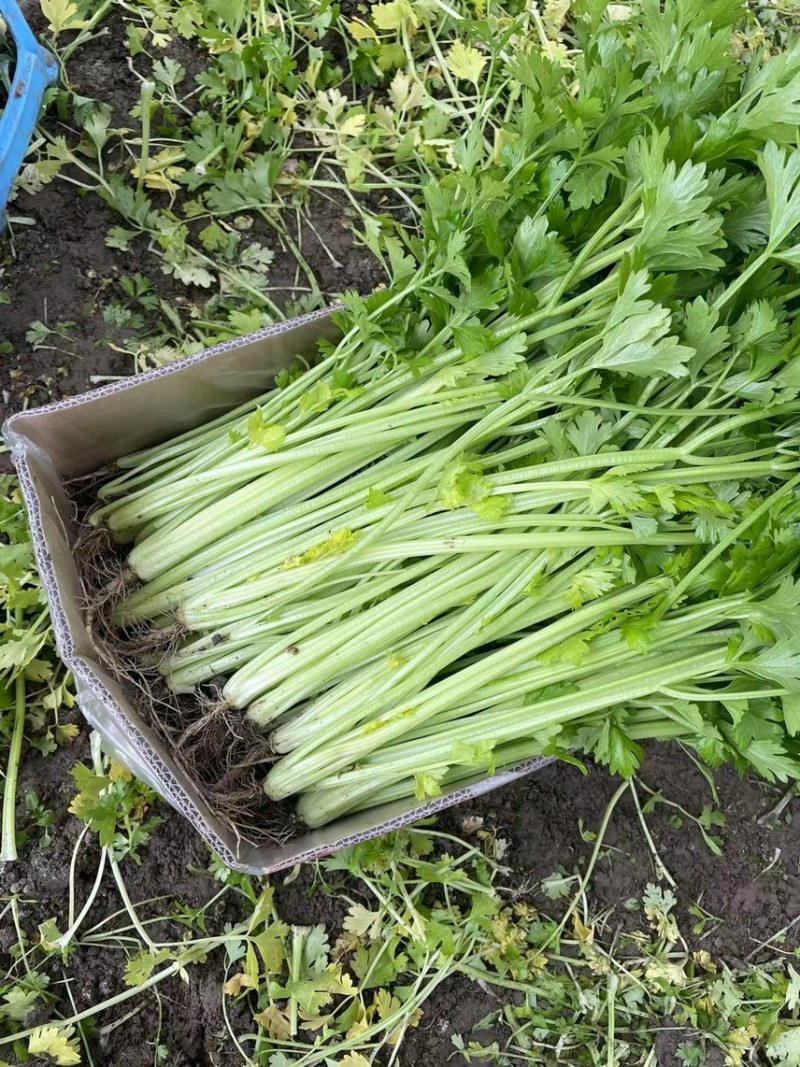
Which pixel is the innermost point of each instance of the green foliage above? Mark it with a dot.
(34, 688)
(115, 807)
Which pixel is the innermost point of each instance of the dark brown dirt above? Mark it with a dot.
(752, 891)
(60, 270)
(56, 267)
(754, 887)
(174, 869)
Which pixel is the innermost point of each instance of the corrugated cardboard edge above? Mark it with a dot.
(167, 370)
(100, 708)
(132, 746)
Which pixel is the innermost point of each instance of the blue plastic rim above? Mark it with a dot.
(35, 70)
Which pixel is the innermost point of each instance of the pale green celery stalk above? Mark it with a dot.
(209, 434)
(492, 426)
(363, 678)
(174, 460)
(319, 438)
(216, 448)
(248, 593)
(339, 699)
(290, 617)
(605, 651)
(529, 446)
(190, 441)
(506, 757)
(283, 594)
(168, 522)
(515, 480)
(331, 795)
(216, 485)
(450, 534)
(128, 488)
(273, 490)
(464, 521)
(683, 425)
(301, 768)
(150, 558)
(498, 614)
(215, 455)
(158, 553)
(412, 402)
(533, 494)
(218, 662)
(512, 720)
(714, 696)
(136, 479)
(228, 588)
(207, 446)
(751, 456)
(565, 400)
(163, 593)
(645, 724)
(720, 471)
(137, 521)
(522, 687)
(8, 831)
(318, 616)
(207, 437)
(288, 585)
(371, 631)
(631, 458)
(208, 661)
(507, 582)
(206, 591)
(520, 542)
(135, 510)
(746, 418)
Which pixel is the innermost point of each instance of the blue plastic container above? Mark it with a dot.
(35, 70)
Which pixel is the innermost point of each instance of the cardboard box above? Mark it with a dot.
(54, 444)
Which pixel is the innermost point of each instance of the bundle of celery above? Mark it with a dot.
(542, 496)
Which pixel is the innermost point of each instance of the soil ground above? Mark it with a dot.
(55, 266)
(753, 889)
(59, 269)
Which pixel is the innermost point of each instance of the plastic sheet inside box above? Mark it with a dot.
(74, 437)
